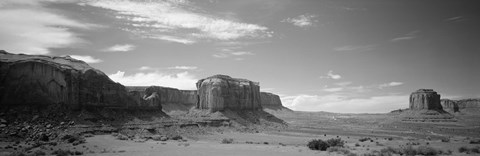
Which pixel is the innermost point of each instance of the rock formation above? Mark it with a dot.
(168, 98)
(425, 107)
(220, 92)
(36, 80)
(460, 105)
(425, 99)
(449, 105)
(270, 100)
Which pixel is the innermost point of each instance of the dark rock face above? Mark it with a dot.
(270, 100)
(36, 80)
(425, 99)
(459, 105)
(157, 96)
(220, 92)
(425, 107)
(449, 105)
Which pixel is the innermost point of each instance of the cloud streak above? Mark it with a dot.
(28, 27)
(302, 21)
(331, 75)
(182, 80)
(86, 58)
(342, 104)
(354, 48)
(120, 48)
(178, 21)
(409, 36)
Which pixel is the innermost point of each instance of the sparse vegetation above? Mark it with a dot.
(339, 150)
(319, 144)
(473, 150)
(410, 151)
(445, 139)
(364, 139)
(227, 140)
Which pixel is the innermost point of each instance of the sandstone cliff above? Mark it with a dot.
(270, 100)
(168, 98)
(425, 99)
(459, 105)
(36, 80)
(220, 92)
(425, 107)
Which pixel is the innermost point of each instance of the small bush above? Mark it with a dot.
(227, 141)
(318, 144)
(475, 141)
(357, 145)
(427, 150)
(61, 152)
(469, 150)
(335, 142)
(445, 139)
(363, 139)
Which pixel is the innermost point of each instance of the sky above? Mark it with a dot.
(346, 56)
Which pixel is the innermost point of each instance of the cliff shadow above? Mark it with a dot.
(253, 117)
(120, 116)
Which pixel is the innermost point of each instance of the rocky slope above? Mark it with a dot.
(220, 92)
(270, 100)
(37, 80)
(168, 98)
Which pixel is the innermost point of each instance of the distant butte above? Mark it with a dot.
(425, 107)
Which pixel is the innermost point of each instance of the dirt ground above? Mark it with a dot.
(267, 137)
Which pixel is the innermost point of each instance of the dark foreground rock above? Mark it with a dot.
(222, 92)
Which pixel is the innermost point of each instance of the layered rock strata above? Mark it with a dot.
(425, 107)
(270, 100)
(460, 105)
(38, 80)
(167, 97)
(220, 92)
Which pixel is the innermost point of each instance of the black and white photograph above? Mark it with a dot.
(240, 77)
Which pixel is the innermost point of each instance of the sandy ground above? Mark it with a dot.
(383, 129)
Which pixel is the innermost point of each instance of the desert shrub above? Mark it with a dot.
(363, 139)
(227, 140)
(357, 144)
(318, 144)
(335, 142)
(427, 150)
(469, 150)
(475, 141)
(39, 153)
(445, 139)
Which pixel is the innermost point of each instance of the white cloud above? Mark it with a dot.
(336, 89)
(146, 68)
(455, 19)
(408, 36)
(184, 67)
(341, 104)
(239, 53)
(331, 75)
(356, 48)
(391, 84)
(178, 21)
(87, 59)
(27, 27)
(173, 39)
(183, 80)
(120, 48)
(303, 21)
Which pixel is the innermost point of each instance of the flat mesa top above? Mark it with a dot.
(63, 61)
(226, 77)
(425, 91)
